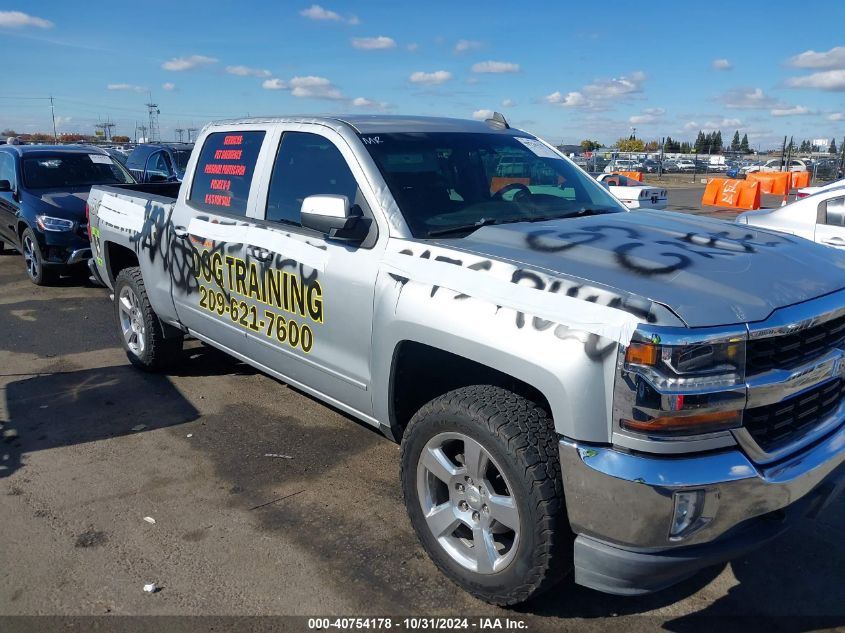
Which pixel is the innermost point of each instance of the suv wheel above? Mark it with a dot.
(482, 485)
(39, 274)
(142, 331)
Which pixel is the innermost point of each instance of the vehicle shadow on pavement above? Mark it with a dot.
(67, 408)
(795, 582)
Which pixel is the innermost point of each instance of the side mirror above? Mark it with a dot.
(333, 216)
(156, 178)
(5, 186)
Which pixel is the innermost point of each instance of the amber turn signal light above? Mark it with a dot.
(641, 354)
(703, 422)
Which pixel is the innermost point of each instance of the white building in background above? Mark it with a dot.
(822, 144)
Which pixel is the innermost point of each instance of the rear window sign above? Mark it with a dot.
(224, 171)
(537, 148)
(100, 159)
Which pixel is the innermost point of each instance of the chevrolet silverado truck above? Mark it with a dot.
(625, 397)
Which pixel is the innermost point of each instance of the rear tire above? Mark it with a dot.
(38, 272)
(142, 332)
(482, 485)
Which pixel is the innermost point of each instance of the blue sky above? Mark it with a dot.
(563, 70)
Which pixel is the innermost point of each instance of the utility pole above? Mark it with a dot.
(143, 129)
(53, 113)
(191, 130)
(179, 131)
(152, 113)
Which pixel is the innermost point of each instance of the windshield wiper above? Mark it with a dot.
(461, 228)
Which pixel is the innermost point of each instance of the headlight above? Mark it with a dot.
(695, 366)
(685, 389)
(48, 223)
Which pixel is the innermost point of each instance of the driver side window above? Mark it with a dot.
(7, 168)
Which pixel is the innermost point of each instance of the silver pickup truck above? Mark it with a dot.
(626, 396)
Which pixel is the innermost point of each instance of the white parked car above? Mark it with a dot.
(820, 218)
(809, 191)
(775, 165)
(621, 164)
(632, 193)
(685, 165)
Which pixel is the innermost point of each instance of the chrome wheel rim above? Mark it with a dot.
(30, 257)
(467, 503)
(131, 320)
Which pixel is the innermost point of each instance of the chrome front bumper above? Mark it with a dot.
(627, 499)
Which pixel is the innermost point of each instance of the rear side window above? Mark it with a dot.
(224, 171)
(835, 212)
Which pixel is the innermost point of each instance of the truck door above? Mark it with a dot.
(8, 204)
(314, 296)
(209, 224)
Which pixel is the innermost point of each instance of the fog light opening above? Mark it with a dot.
(686, 518)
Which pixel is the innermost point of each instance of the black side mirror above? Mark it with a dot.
(5, 186)
(332, 215)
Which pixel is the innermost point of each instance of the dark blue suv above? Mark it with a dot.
(43, 195)
(159, 162)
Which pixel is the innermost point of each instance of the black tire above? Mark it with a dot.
(157, 352)
(519, 437)
(36, 270)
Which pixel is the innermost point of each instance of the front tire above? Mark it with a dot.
(141, 329)
(482, 486)
(38, 272)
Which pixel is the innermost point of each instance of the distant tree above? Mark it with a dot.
(743, 145)
(700, 140)
(8, 132)
(120, 139)
(652, 146)
(630, 145)
(735, 142)
(717, 142)
(685, 148)
(832, 149)
(588, 146)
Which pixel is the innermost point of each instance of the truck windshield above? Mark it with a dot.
(72, 170)
(452, 183)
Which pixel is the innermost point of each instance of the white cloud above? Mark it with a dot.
(508, 103)
(372, 43)
(599, 94)
(274, 84)
(368, 104)
(791, 111)
(747, 99)
(714, 124)
(833, 80)
(495, 67)
(836, 116)
(482, 115)
(413, 47)
(437, 77)
(126, 87)
(311, 87)
(169, 87)
(649, 115)
(834, 58)
(63, 120)
(572, 99)
(316, 12)
(462, 46)
(722, 64)
(178, 64)
(19, 19)
(246, 71)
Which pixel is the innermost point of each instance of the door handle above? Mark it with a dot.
(181, 232)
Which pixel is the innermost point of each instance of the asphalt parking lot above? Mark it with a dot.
(93, 446)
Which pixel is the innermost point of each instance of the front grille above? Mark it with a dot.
(777, 425)
(790, 350)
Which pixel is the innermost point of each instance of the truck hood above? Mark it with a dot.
(708, 272)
